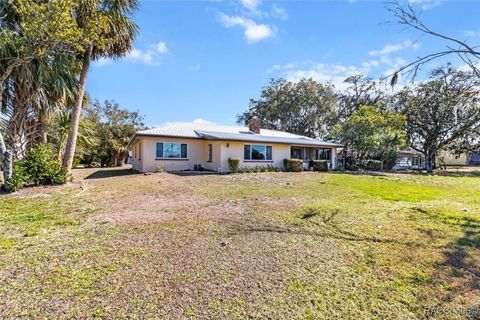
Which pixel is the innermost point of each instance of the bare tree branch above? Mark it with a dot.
(410, 18)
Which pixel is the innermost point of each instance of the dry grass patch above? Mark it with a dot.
(266, 245)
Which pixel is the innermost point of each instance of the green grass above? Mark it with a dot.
(267, 245)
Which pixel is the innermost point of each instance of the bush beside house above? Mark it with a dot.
(319, 165)
(234, 164)
(292, 165)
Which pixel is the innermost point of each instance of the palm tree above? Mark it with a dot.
(115, 39)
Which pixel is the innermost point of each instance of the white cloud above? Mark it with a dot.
(202, 121)
(102, 62)
(162, 47)
(198, 121)
(468, 68)
(253, 32)
(148, 56)
(137, 55)
(250, 4)
(336, 73)
(391, 48)
(472, 34)
(279, 12)
(425, 4)
(321, 72)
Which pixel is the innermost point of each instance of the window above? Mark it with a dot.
(323, 154)
(257, 152)
(296, 153)
(415, 161)
(171, 150)
(209, 153)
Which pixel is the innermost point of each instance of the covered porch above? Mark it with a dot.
(308, 153)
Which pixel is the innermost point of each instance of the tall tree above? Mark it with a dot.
(441, 111)
(30, 33)
(113, 35)
(372, 133)
(114, 126)
(305, 107)
(361, 91)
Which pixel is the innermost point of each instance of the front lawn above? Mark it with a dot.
(259, 245)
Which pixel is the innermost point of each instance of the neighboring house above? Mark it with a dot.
(474, 159)
(447, 158)
(409, 159)
(413, 159)
(181, 147)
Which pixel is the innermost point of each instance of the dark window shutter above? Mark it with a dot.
(184, 151)
(159, 150)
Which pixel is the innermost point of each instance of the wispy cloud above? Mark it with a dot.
(102, 62)
(279, 12)
(425, 4)
(471, 33)
(198, 121)
(148, 56)
(391, 48)
(321, 72)
(251, 4)
(336, 74)
(253, 32)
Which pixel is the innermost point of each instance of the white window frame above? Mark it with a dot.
(163, 150)
(251, 150)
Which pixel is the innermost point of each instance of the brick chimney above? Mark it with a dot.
(254, 125)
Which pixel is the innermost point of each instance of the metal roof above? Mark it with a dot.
(232, 133)
(261, 138)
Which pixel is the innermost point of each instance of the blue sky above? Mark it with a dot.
(206, 59)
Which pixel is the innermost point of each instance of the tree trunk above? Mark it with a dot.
(76, 114)
(429, 162)
(43, 127)
(7, 161)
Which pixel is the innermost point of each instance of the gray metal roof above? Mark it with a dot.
(269, 139)
(231, 133)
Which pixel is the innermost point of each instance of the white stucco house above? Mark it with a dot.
(181, 147)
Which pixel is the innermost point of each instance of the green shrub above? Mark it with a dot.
(198, 167)
(292, 165)
(373, 165)
(43, 167)
(19, 178)
(270, 168)
(319, 165)
(234, 164)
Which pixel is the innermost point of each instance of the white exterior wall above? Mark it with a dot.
(197, 153)
(235, 150)
(137, 161)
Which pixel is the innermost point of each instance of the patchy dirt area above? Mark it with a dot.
(118, 244)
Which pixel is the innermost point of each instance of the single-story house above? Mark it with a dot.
(410, 159)
(448, 158)
(182, 146)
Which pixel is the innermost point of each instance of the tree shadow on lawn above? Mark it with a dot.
(111, 173)
(463, 263)
(326, 229)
